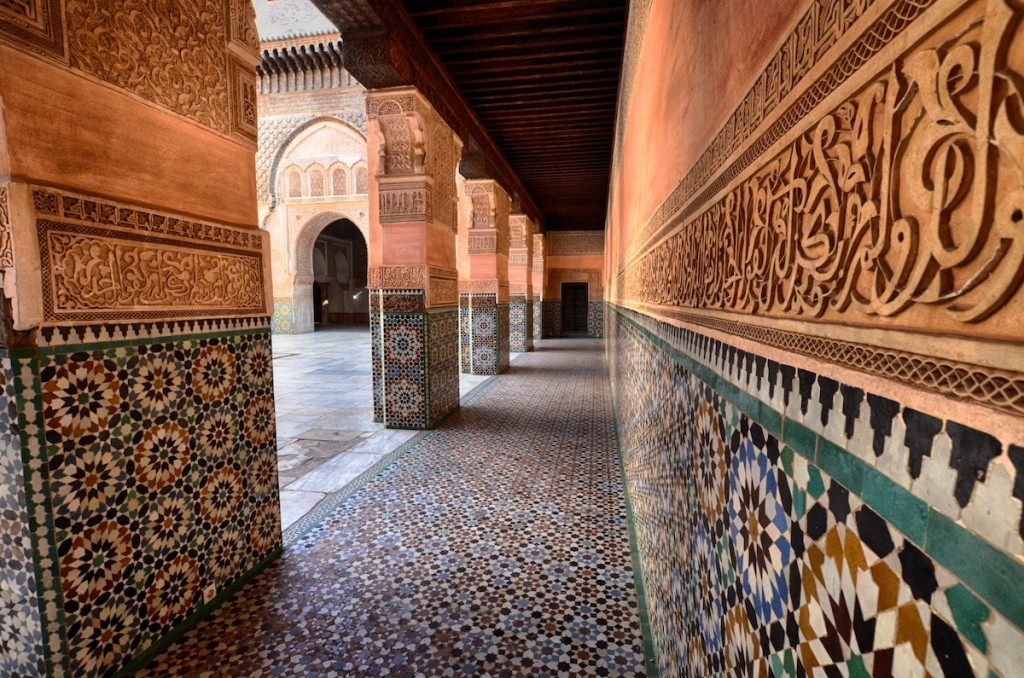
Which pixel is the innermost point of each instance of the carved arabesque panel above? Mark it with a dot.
(107, 262)
(575, 243)
(6, 249)
(904, 201)
(173, 54)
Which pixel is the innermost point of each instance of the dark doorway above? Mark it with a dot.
(340, 265)
(318, 305)
(575, 297)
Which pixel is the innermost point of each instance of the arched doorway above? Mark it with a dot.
(340, 263)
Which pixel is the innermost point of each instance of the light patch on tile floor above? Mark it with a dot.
(326, 435)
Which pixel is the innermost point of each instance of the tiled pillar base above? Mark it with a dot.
(413, 354)
(595, 319)
(552, 317)
(484, 335)
(282, 322)
(520, 325)
(178, 433)
(537, 311)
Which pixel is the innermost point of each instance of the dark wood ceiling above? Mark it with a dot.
(542, 76)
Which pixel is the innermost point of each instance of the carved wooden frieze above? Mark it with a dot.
(34, 24)
(444, 287)
(904, 200)
(106, 262)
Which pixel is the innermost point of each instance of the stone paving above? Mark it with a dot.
(496, 545)
(325, 430)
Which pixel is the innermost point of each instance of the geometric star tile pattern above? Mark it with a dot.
(160, 484)
(494, 545)
(757, 562)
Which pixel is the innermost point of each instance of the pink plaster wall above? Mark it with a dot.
(697, 61)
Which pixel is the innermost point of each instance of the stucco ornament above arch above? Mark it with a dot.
(325, 141)
(302, 250)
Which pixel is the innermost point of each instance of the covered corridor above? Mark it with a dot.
(495, 545)
(796, 225)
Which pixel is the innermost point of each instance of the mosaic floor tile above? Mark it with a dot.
(495, 545)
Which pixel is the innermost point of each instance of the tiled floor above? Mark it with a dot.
(325, 430)
(494, 546)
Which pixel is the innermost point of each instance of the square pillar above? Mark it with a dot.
(412, 278)
(539, 280)
(138, 465)
(520, 275)
(484, 296)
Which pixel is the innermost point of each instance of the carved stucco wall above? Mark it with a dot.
(574, 256)
(156, 55)
(839, 269)
(315, 144)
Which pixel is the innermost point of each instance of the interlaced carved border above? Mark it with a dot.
(998, 389)
(35, 24)
(95, 211)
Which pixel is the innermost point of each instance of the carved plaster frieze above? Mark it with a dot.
(903, 201)
(499, 288)
(416, 142)
(90, 274)
(6, 247)
(36, 25)
(405, 202)
(243, 100)
(105, 262)
(520, 231)
(53, 203)
(820, 30)
(483, 243)
(136, 45)
(443, 292)
(518, 258)
(1000, 389)
(397, 277)
(575, 243)
(243, 38)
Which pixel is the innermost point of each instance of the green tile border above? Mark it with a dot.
(651, 663)
(991, 574)
(160, 646)
(28, 353)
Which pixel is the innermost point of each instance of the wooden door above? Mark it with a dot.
(575, 297)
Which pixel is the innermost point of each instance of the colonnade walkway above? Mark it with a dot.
(496, 545)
